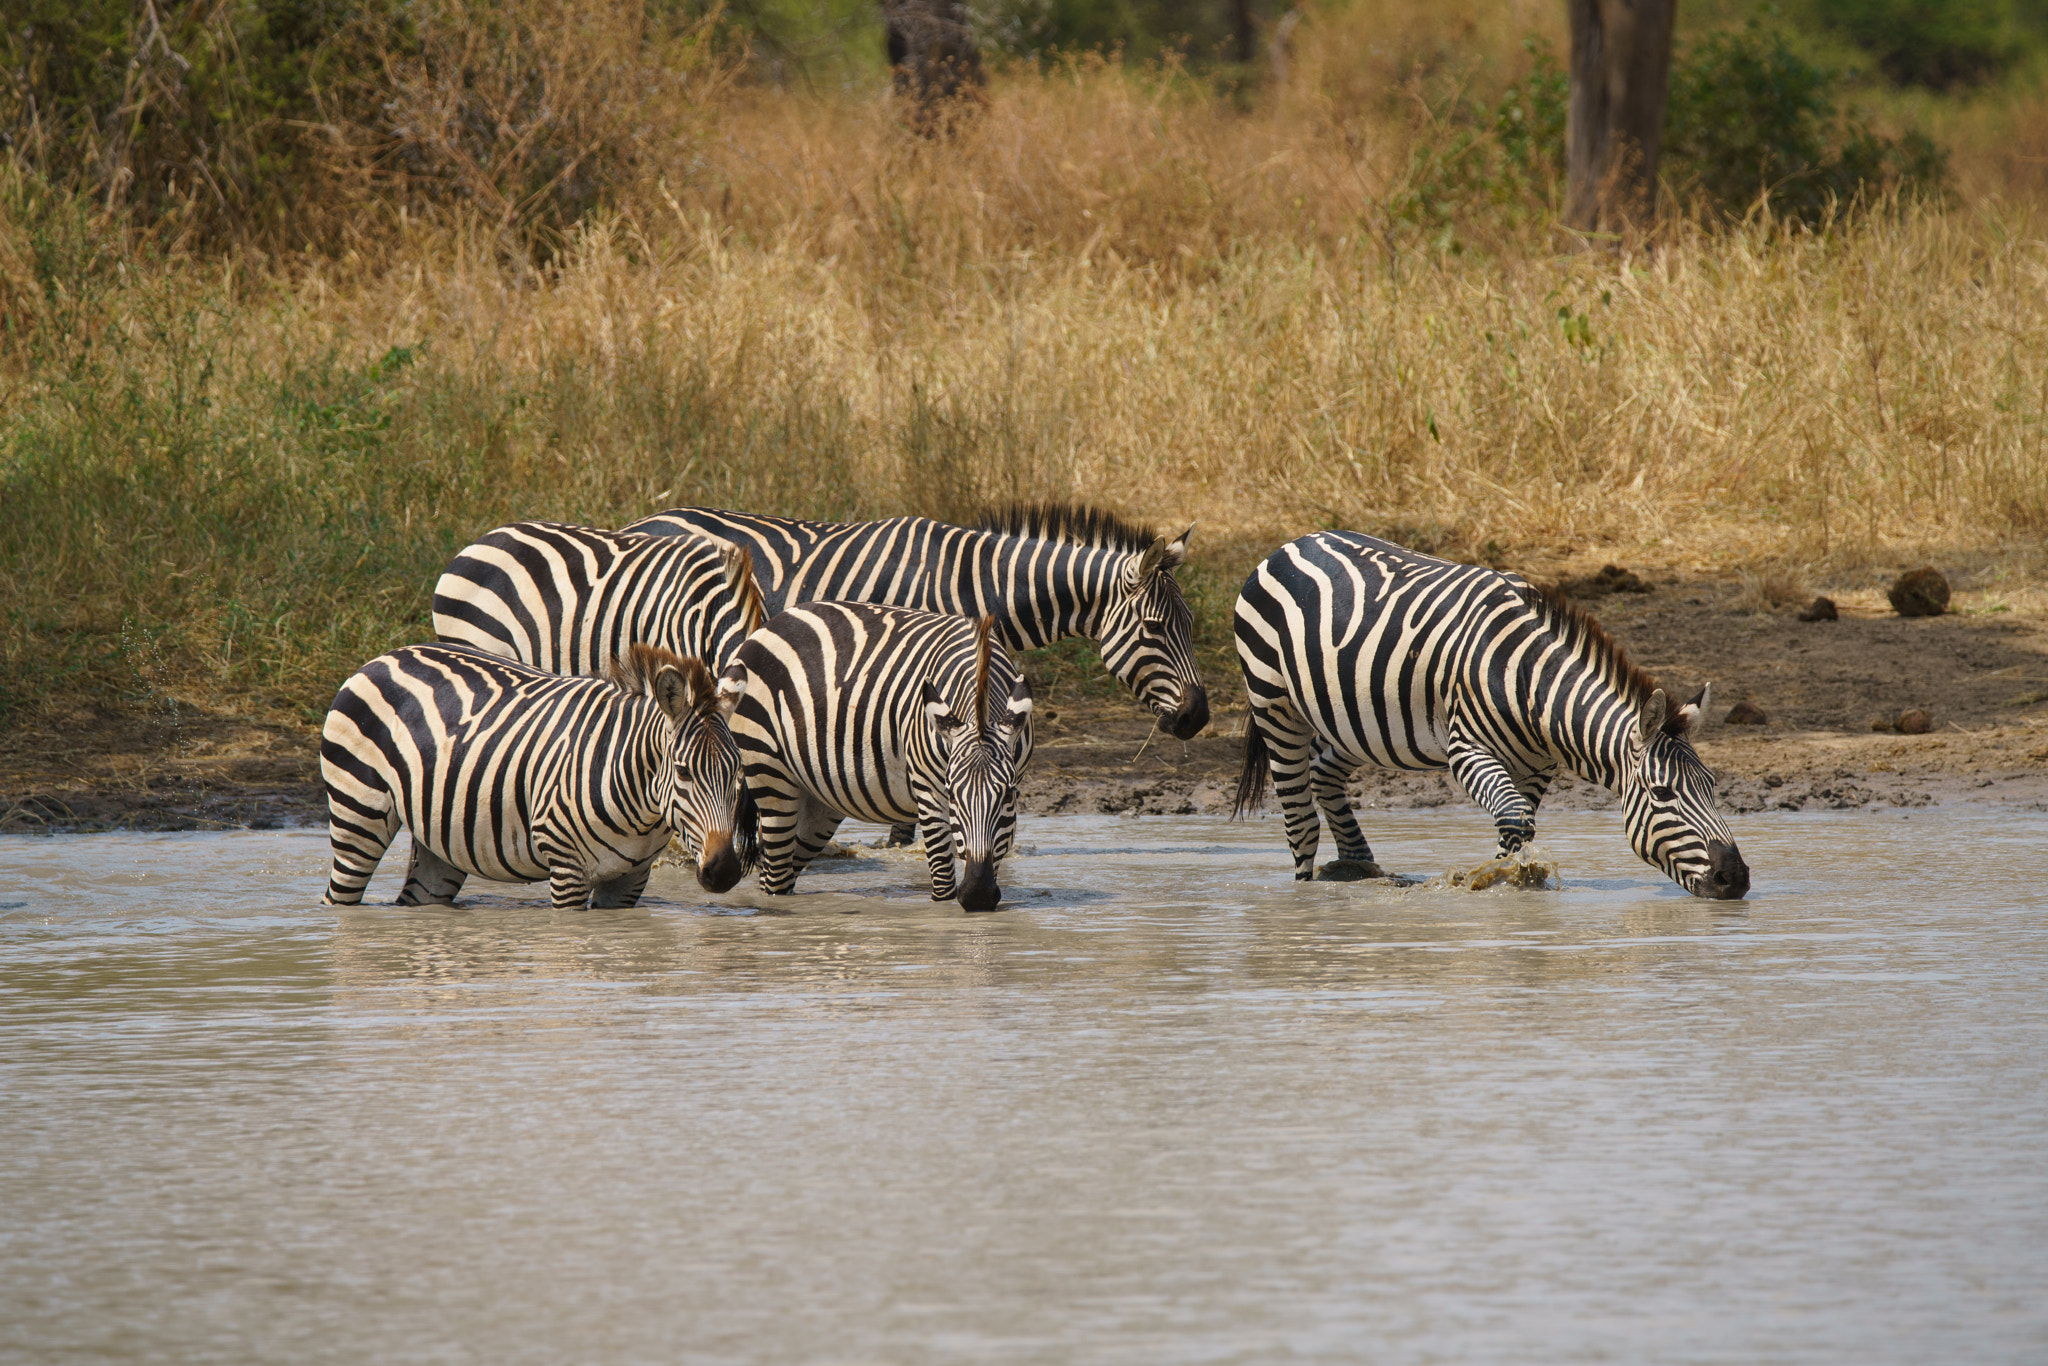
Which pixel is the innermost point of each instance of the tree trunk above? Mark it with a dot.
(1242, 32)
(933, 58)
(1620, 75)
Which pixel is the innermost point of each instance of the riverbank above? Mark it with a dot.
(1981, 672)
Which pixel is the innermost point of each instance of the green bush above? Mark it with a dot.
(1749, 117)
(1938, 43)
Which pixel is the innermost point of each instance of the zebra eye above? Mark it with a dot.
(1664, 794)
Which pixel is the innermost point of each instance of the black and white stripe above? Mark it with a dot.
(1357, 651)
(502, 770)
(570, 599)
(884, 714)
(1044, 572)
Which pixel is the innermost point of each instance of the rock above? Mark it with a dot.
(1921, 593)
(1914, 722)
(1348, 870)
(1884, 723)
(1773, 780)
(1747, 714)
(1611, 579)
(1823, 609)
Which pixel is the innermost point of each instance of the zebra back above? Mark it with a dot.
(1044, 571)
(570, 599)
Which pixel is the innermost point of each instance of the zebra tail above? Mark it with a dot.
(746, 830)
(1251, 782)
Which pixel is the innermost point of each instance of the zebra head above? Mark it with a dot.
(1147, 637)
(697, 786)
(982, 753)
(1667, 803)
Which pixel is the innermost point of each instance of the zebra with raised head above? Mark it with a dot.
(884, 714)
(570, 599)
(1044, 572)
(1357, 651)
(504, 771)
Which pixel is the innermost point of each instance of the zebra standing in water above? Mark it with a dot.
(503, 771)
(1358, 651)
(570, 599)
(885, 714)
(1043, 572)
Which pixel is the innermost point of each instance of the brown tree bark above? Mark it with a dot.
(1620, 75)
(933, 57)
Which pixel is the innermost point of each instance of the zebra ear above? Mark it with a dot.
(1692, 712)
(672, 692)
(1019, 712)
(938, 708)
(1652, 719)
(732, 686)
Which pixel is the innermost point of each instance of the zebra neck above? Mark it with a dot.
(1040, 591)
(1591, 736)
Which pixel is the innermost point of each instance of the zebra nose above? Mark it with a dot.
(978, 890)
(1727, 876)
(721, 870)
(1191, 715)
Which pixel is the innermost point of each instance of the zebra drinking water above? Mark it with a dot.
(1044, 572)
(885, 714)
(1356, 651)
(504, 771)
(570, 599)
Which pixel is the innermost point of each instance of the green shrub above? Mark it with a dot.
(1938, 43)
(1749, 117)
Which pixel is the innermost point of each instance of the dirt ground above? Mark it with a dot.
(1981, 671)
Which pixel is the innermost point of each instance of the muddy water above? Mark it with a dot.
(1165, 1107)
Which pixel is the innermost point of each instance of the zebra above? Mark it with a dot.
(1043, 571)
(570, 599)
(1355, 651)
(885, 714)
(505, 771)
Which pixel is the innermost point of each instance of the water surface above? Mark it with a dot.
(1167, 1106)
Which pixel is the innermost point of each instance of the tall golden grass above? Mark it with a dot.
(1110, 286)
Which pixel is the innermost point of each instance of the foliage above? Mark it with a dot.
(1938, 43)
(1749, 117)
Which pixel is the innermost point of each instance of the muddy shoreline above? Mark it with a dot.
(1981, 671)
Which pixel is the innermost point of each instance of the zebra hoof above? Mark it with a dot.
(1349, 870)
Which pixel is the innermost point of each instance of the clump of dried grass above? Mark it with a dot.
(1774, 588)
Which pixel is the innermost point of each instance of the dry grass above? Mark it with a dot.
(1111, 287)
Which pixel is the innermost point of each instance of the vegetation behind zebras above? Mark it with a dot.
(233, 469)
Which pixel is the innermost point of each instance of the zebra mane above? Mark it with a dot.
(739, 571)
(983, 632)
(634, 672)
(1586, 637)
(1076, 523)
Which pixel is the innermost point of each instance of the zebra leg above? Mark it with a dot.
(938, 849)
(1486, 780)
(430, 880)
(781, 811)
(815, 827)
(568, 886)
(1329, 776)
(1290, 751)
(902, 835)
(622, 893)
(360, 827)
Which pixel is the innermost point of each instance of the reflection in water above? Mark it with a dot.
(1167, 1105)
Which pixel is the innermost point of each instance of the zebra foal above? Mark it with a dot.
(1357, 651)
(501, 770)
(885, 714)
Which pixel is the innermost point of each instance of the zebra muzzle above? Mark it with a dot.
(1185, 721)
(719, 867)
(1727, 876)
(978, 889)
